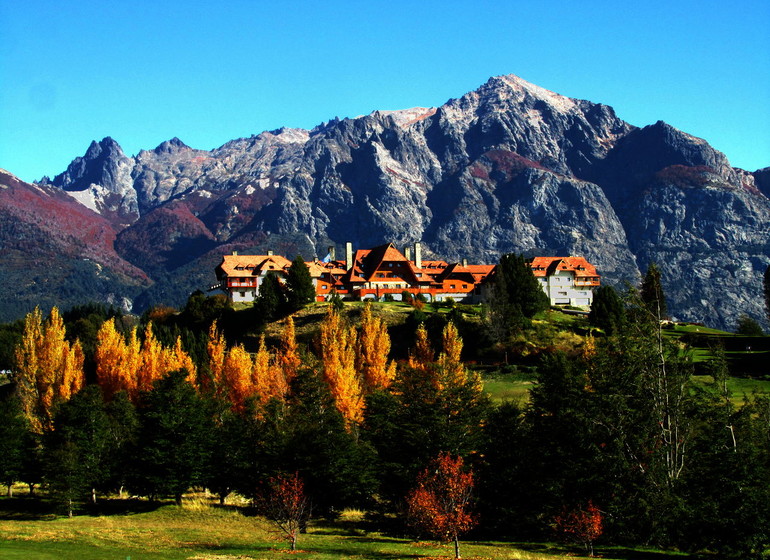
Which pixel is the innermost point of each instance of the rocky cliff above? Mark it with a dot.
(508, 167)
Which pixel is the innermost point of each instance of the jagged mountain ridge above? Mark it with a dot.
(508, 167)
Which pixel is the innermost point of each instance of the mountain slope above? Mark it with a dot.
(508, 167)
(55, 251)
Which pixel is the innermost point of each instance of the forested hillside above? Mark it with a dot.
(349, 404)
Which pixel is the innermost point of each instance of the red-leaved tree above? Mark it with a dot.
(440, 503)
(285, 504)
(581, 525)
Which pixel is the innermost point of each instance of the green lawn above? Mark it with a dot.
(204, 532)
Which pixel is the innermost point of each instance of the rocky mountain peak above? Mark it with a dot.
(107, 148)
(508, 167)
(171, 146)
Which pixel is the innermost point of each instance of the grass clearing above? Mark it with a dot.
(215, 533)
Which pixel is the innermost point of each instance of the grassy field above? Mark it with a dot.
(201, 531)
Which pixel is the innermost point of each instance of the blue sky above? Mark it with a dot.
(146, 71)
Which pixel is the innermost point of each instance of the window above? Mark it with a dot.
(324, 287)
(243, 294)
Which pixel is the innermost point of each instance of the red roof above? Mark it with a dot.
(548, 266)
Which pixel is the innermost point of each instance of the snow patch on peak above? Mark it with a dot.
(291, 135)
(89, 196)
(405, 117)
(559, 102)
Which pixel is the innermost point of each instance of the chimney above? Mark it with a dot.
(332, 253)
(465, 263)
(269, 252)
(235, 253)
(408, 253)
(417, 254)
(348, 255)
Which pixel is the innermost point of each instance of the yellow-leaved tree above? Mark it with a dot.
(451, 370)
(261, 384)
(117, 360)
(49, 369)
(337, 346)
(422, 355)
(237, 376)
(287, 358)
(373, 348)
(214, 382)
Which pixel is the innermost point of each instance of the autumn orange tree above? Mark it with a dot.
(288, 358)
(440, 503)
(337, 347)
(372, 352)
(581, 525)
(127, 365)
(212, 381)
(285, 504)
(237, 376)
(117, 360)
(49, 369)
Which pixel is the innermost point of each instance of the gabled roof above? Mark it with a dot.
(366, 262)
(252, 265)
(548, 266)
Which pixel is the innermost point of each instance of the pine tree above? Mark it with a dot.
(271, 300)
(300, 285)
(78, 450)
(607, 311)
(520, 288)
(651, 293)
(174, 439)
(13, 434)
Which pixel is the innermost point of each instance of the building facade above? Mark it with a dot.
(566, 280)
(384, 272)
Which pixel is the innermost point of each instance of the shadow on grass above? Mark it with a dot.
(27, 508)
(620, 553)
(123, 506)
(33, 508)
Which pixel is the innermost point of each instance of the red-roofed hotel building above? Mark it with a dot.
(385, 271)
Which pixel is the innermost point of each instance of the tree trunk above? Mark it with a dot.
(69, 508)
(178, 499)
(10, 490)
(293, 540)
(93, 496)
(457, 547)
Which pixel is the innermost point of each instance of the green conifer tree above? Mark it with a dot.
(651, 293)
(607, 310)
(299, 283)
(271, 301)
(173, 442)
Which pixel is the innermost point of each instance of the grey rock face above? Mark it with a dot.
(508, 167)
